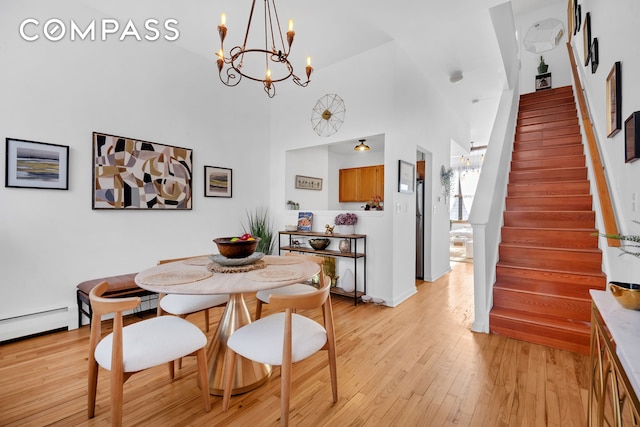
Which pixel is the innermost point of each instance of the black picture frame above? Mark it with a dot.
(586, 33)
(595, 57)
(406, 177)
(632, 137)
(32, 164)
(578, 18)
(543, 81)
(131, 174)
(614, 100)
(218, 182)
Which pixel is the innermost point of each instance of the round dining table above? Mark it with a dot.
(199, 276)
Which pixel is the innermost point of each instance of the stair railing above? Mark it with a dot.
(604, 197)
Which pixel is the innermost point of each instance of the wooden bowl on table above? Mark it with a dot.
(236, 249)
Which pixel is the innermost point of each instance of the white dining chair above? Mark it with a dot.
(139, 346)
(262, 297)
(285, 338)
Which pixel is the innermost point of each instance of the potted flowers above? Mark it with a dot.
(374, 204)
(346, 222)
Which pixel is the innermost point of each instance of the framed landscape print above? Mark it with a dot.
(614, 101)
(30, 164)
(134, 174)
(406, 177)
(217, 181)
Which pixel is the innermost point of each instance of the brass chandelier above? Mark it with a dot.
(246, 62)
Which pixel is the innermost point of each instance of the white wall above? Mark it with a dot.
(60, 93)
(617, 32)
(410, 114)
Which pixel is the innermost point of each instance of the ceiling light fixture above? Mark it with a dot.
(456, 76)
(362, 146)
(246, 62)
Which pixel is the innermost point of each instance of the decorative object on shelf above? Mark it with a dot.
(374, 204)
(329, 269)
(406, 177)
(346, 222)
(362, 146)
(259, 226)
(319, 244)
(446, 176)
(614, 100)
(543, 81)
(344, 246)
(247, 62)
(627, 294)
(164, 185)
(291, 205)
(217, 181)
(348, 282)
(328, 115)
(542, 66)
(30, 164)
(305, 221)
(291, 227)
(632, 137)
(328, 229)
(308, 183)
(234, 247)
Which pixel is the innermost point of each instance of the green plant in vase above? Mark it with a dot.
(542, 67)
(258, 225)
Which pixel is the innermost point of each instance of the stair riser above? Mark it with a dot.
(549, 259)
(547, 143)
(549, 189)
(550, 175)
(548, 153)
(546, 118)
(574, 239)
(546, 94)
(541, 334)
(541, 105)
(549, 203)
(548, 133)
(548, 282)
(571, 308)
(549, 219)
(546, 125)
(550, 163)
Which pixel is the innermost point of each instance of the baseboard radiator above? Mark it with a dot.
(34, 323)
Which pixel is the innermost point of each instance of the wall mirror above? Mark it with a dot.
(544, 36)
(324, 162)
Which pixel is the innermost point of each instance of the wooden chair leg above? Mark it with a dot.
(172, 371)
(92, 388)
(229, 372)
(258, 309)
(285, 393)
(204, 377)
(117, 397)
(206, 320)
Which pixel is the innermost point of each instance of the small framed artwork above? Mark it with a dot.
(305, 221)
(406, 177)
(632, 138)
(586, 37)
(543, 81)
(308, 183)
(614, 101)
(217, 181)
(594, 55)
(577, 18)
(31, 164)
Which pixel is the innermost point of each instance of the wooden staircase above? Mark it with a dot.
(549, 257)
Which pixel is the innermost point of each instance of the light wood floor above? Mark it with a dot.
(414, 365)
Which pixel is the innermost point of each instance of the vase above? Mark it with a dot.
(344, 245)
(347, 282)
(346, 229)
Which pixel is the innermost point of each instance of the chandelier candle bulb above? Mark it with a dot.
(222, 28)
(290, 33)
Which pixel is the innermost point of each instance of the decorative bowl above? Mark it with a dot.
(319, 244)
(290, 227)
(627, 294)
(236, 249)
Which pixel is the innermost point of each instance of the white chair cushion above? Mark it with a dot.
(152, 342)
(185, 304)
(262, 340)
(296, 289)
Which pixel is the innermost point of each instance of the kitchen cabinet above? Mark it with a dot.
(357, 243)
(361, 184)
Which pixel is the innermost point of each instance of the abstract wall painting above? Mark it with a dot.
(134, 174)
(30, 164)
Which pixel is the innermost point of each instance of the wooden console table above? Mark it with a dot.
(614, 369)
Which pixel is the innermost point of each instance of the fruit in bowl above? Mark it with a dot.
(237, 247)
